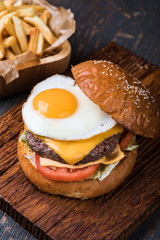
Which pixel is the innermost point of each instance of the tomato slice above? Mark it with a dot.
(126, 140)
(65, 174)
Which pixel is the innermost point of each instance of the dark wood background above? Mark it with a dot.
(133, 24)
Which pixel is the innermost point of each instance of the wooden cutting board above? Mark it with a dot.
(112, 216)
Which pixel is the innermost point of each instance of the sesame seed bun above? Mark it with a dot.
(79, 189)
(120, 95)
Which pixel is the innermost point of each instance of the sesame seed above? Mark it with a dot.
(103, 72)
(123, 100)
(137, 106)
(112, 90)
(126, 110)
(111, 74)
(144, 115)
(148, 121)
(107, 91)
(110, 85)
(136, 82)
(118, 87)
(98, 61)
(147, 107)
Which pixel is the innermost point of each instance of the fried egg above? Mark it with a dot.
(58, 109)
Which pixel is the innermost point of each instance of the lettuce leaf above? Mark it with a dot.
(103, 171)
(130, 146)
(23, 139)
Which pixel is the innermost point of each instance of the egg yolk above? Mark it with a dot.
(55, 103)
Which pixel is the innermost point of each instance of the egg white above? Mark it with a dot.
(88, 119)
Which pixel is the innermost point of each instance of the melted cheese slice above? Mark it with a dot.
(114, 157)
(73, 151)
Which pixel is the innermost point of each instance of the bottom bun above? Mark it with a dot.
(84, 189)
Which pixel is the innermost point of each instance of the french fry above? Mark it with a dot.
(9, 15)
(8, 3)
(40, 45)
(2, 52)
(2, 6)
(21, 36)
(9, 54)
(33, 40)
(15, 48)
(36, 8)
(45, 16)
(26, 12)
(8, 42)
(3, 13)
(8, 24)
(27, 28)
(18, 3)
(36, 21)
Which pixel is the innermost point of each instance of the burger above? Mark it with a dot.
(79, 137)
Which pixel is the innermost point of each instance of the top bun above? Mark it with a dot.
(120, 95)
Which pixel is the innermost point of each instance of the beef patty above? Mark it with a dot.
(105, 148)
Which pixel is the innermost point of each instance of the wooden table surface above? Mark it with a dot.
(132, 24)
